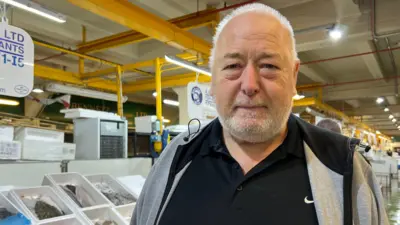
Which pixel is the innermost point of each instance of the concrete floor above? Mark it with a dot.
(392, 198)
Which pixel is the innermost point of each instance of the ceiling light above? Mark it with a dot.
(380, 100)
(71, 90)
(37, 9)
(171, 102)
(8, 102)
(37, 90)
(391, 117)
(154, 94)
(187, 65)
(298, 97)
(394, 120)
(335, 34)
(378, 132)
(386, 110)
(398, 127)
(166, 121)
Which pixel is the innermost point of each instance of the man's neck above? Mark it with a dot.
(248, 155)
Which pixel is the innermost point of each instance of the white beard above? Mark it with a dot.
(263, 131)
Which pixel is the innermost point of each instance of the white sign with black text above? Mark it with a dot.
(16, 61)
(201, 104)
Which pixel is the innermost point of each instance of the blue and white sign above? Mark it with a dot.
(201, 104)
(16, 61)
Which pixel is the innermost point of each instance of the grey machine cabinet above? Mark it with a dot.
(97, 138)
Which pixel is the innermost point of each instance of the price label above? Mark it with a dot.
(16, 61)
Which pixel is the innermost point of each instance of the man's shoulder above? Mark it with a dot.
(332, 149)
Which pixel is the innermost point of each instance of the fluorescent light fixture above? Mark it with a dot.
(71, 90)
(37, 9)
(380, 100)
(154, 94)
(335, 34)
(171, 102)
(298, 97)
(386, 110)
(37, 90)
(187, 65)
(378, 132)
(166, 121)
(8, 102)
(398, 127)
(391, 117)
(394, 120)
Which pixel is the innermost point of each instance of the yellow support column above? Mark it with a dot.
(158, 145)
(119, 91)
(82, 60)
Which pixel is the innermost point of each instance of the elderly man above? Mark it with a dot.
(257, 163)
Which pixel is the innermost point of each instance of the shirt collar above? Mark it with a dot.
(293, 143)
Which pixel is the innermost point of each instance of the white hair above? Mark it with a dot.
(257, 8)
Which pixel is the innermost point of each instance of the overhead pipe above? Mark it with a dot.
(393, 62)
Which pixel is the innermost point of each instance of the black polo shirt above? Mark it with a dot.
(215, 191)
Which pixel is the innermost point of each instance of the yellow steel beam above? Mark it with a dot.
(136, 18)
(170, 81)
(120, 106)
(82, 60)
(74, 53)
(71, 78)
(129, 37)
(304, 102)
(89, 77)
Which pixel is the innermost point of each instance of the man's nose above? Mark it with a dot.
(250, 80)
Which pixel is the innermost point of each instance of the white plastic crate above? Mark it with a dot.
(16, 196)
(133, 183)
(114, 184)
(29, 133)
(105, 213)
(76, 179)
(47, 151)
(6, 133)
(10, 150)
(126, 211)
(7, 204)
(65, 221)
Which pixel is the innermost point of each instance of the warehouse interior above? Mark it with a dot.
(118, 47)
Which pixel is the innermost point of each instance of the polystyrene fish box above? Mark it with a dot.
(47, 151)
(17, 197)
(6, 133)
(91, 196)
(114, 185)
(67, 221)
(104, 213)
(37, 134)
(126, 211)
(10, 150)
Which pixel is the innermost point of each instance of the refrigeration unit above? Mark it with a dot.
(97, 138)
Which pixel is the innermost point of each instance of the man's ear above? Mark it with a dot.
(295, 75)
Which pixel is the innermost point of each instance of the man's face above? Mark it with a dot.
(254, 77)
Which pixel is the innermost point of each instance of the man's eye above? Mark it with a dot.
(232, 66)
(268, 66)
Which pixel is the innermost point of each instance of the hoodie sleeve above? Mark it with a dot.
(370, 204)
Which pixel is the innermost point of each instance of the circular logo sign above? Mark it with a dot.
(21, 89)
(197, 95)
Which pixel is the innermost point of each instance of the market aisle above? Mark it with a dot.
(392, 199)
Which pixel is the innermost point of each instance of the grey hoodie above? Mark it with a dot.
(345, 190)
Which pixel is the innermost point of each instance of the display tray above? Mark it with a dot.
(67, 221)
(84, 196)
(7, 205)
(126, 211)
(104, 214)
(116, 193)
(51, 205)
